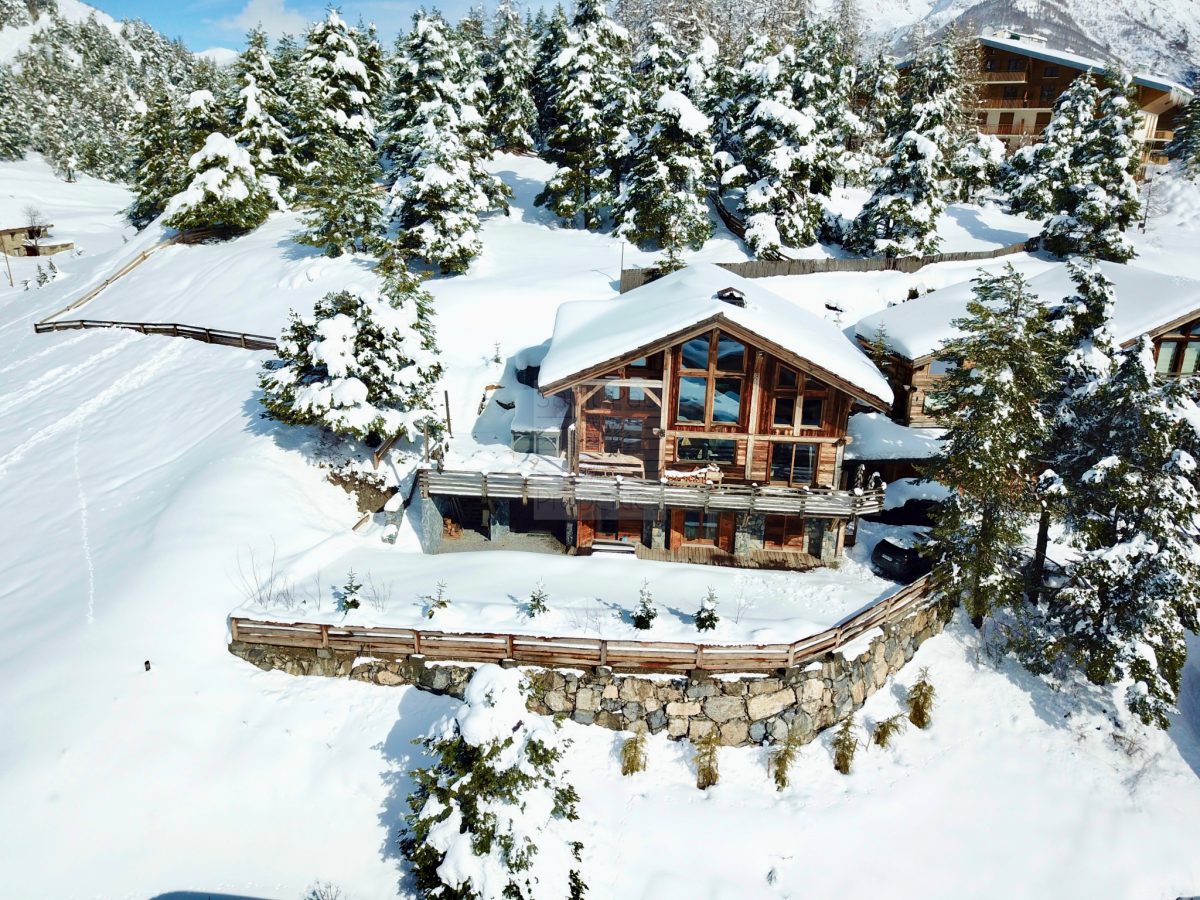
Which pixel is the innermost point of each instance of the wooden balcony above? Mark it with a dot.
(620, 490)
(1163, 136)
(1013, 129)
(1004, 77)
(1017, 103)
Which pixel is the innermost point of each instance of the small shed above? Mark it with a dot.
(30, 240)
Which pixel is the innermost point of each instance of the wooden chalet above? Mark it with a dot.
(1023, 78)
(1164, 307)
(30, 240)
(706, 420)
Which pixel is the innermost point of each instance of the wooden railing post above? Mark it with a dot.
(325, 636)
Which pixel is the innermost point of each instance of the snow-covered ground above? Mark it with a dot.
(137, 473)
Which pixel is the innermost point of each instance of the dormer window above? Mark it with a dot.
(732, 296)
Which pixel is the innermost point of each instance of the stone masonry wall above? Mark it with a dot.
(747, 709)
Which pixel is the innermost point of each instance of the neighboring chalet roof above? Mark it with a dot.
(21, 229)
(1084, 63)
(1145, 301)
(591, 337)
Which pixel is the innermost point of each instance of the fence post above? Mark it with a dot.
(233, 629)
(699, 656)
(508, 646)
(416, 642)
(324, 635)
(603, 652)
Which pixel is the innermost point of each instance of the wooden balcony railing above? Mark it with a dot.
(1017, 103)
(824, 502)
(1163, 136)
(1004, 77)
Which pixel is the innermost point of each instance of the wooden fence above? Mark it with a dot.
(171, 329)
(582, 652)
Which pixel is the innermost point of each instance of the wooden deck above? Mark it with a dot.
(793, 560)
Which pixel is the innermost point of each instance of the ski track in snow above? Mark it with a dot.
(131, 380)
(83, 526)
(45, 351)
(54, 379)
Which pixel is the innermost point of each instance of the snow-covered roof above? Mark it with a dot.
(589, 335)
(875, 436)
(534, 412)
(1145, 300)
(1075, 61)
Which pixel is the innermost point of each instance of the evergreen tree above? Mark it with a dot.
(14, 129)
(344, 213)
(993, 416)
(344, 92)
(1133, 592)
(1185, 146)
(512, 117)
(877, 96)
(202, 116)
(1093, 212)
(374, 60)
(1038, 174)
(976, 165)
(492, 817)
(900, 218)
(260, 108)
(822, 87)
(224, 191)
(160, 165)
(551, 40)
(589, 106)
(361, 364)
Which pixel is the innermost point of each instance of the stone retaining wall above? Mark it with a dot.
(747, 709)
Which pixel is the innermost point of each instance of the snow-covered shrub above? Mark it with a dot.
(538, 599)
(224, 192)
(845, 744)
(363, 363)
(920, 700)
(437, 600)
(645, 614)
(779, 763)
(708, 771)
(706, 617)
(348, 596)
(492, 818)
(633, 751)
(886, 729)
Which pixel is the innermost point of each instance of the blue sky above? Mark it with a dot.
(223, 23)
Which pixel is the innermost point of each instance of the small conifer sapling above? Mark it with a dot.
(920, 700)
(707, 767)
(887, 729)
(706, 616)
(845, 743)
(537, 600)
(437, 601)
(633, 751)
(350, 592)
(645, 614)
(782, 756)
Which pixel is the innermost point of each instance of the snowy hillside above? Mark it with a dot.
(138, 476)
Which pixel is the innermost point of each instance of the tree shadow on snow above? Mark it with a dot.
(204, 895)
(1185, 729)
(971, 221)
(416, 714)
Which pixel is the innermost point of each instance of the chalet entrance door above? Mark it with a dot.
(611, 523)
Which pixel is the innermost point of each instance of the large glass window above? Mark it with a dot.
(708, 450)
(798, 401)
(700, 527)
(784, 532)
(623, 436)
(793, 464)
(711, 376)
(1178, 353)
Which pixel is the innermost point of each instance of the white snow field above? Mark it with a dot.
(135, 471)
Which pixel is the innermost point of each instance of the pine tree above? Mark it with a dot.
(1185, 146)
(646, 613)
(976, 165)
(14, 128)
(160, 164)
(360, 364)
(665, 198)
(1094, 211)
(1038, 174)
(550, 40)
(343, 88)
(900, 218)
(492, 817)
(706, 617)
(224, 191)
(822, 86)
(512, 117)
(589, 100)
(344, 213)
(261, 113)
(374, 60)
(1133, 592)
(992, 415)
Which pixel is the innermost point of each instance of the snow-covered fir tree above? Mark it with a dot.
(909, 189)
(374, 60)
(512, 117)
(550, 39)
(343, 212)
(493, 817)
(344, 92)
(670, 156)
(822, 78)
(1132, 593)
(993, 416)
(976, 165)
(1038, 174)
(160, 164)
(877, 97)
(589, 99)
(260, 114)
(224, 191)
(1093, 212)
(1185, 146)
(14, 129)
(362, 363)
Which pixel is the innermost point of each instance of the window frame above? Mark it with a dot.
(704, 515)
(711, 374)
(791, 481)
(804, 390)
(1180, 340)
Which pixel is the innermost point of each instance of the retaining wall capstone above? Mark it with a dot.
(746, 709)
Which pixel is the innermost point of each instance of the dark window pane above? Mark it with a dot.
(785, 411)
(1010, 93)
(692, 391)
(810, 415)
(731, 354)
(802, 468)
(727, 400)
(1195, 329)
(793, 463)
(1016, 65)
(786, 377)
(707, 450)
(781, 462)
(695, 353)
(699, 526)
(636, 395)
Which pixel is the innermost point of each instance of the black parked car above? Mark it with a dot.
(899, 560)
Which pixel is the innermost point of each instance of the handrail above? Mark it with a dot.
(620, 655)
(170, 329)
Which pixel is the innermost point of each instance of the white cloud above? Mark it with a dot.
(222, 56)
(273, 15)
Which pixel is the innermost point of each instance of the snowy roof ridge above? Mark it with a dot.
(590, 334)
(1145, 301)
